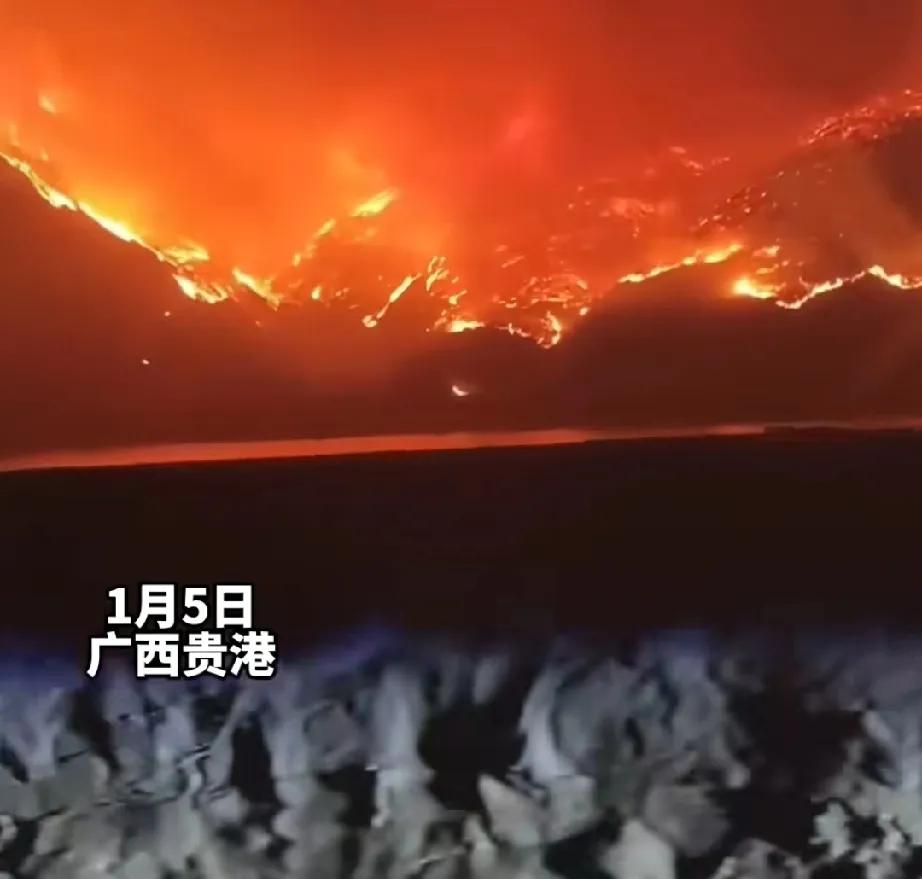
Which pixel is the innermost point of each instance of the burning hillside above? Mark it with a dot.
(531, 274)
(398, 186)
(803, 231)
(843, 208)
(483, 219)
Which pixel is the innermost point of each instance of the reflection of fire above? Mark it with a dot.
(536, 288)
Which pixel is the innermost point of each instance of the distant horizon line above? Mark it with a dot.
(349, 446)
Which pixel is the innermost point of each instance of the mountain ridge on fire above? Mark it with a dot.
(97, 323)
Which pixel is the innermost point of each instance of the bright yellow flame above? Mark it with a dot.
(202, 292)
(894, 279)
(372, 321)
(377, 204)
(114, 227)
(186, 254)
(555, 330)
(262, 288)
(462, 325)
(749, 288)
(436, 271)
(54, 197)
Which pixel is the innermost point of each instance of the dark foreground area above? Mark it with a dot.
(796, 526)
(642, 754)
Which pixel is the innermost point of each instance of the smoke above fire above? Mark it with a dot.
(470, 165)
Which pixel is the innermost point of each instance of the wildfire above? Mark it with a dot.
(182, 258)
(870, 121)
(459, 325)
(377, 204)
(535, 290)
(804, 292)
(712, 257)
(261, 287)
(398, 291)
(753, 290)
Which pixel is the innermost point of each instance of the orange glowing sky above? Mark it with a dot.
(244, 125)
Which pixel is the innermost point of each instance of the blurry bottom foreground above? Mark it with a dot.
(674, 757)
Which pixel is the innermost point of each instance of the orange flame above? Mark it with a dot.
(535, 292)
(711, 257)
